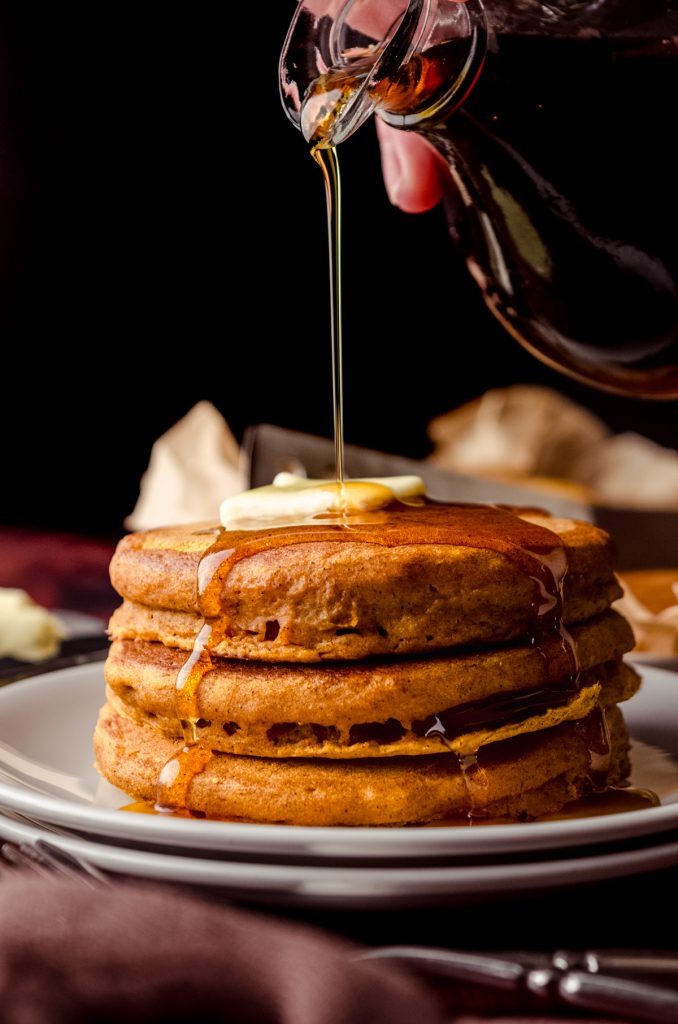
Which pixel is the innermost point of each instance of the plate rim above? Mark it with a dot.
(318, 882)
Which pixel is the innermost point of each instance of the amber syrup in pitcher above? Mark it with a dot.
(564, 199)
(563, 196)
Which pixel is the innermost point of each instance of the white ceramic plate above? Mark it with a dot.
(46, 772)
(357, 887)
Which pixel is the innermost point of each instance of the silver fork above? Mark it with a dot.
(637, 985)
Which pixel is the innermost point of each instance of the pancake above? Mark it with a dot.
(465, 729)
(180, 629)
(382, 707)
(295, 596)
(517, 778)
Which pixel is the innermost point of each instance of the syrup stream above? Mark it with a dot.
(328, 161)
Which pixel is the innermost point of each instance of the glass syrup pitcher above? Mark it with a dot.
(557, 121)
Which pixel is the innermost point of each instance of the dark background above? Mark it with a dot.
(162, 240)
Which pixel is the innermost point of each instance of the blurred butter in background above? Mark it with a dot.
(28, 632)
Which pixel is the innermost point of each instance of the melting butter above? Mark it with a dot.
(295, 497)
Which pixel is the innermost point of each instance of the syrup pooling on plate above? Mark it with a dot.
(536, 552)
(596, 804)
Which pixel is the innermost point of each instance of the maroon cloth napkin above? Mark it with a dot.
(149, 953)
(59, 570)
(144, 953)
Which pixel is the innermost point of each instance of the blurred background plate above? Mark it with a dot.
(348, 887)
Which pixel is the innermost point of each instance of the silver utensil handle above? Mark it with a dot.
(480, 968)
(657, 962)
(615, 982)
(651, 1004)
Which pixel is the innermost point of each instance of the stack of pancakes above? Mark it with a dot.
(320, 678)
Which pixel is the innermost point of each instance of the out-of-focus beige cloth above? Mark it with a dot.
(650, 603)
(193, 467)
(537, 436)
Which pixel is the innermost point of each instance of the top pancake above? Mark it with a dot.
(351, 594)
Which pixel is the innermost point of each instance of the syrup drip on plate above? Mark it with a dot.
(612, 800)
(598, 804)
(600, 751)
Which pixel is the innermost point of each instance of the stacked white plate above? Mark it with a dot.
(47, 776)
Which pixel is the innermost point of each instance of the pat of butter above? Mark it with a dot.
(292, 497)
(27, 631)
